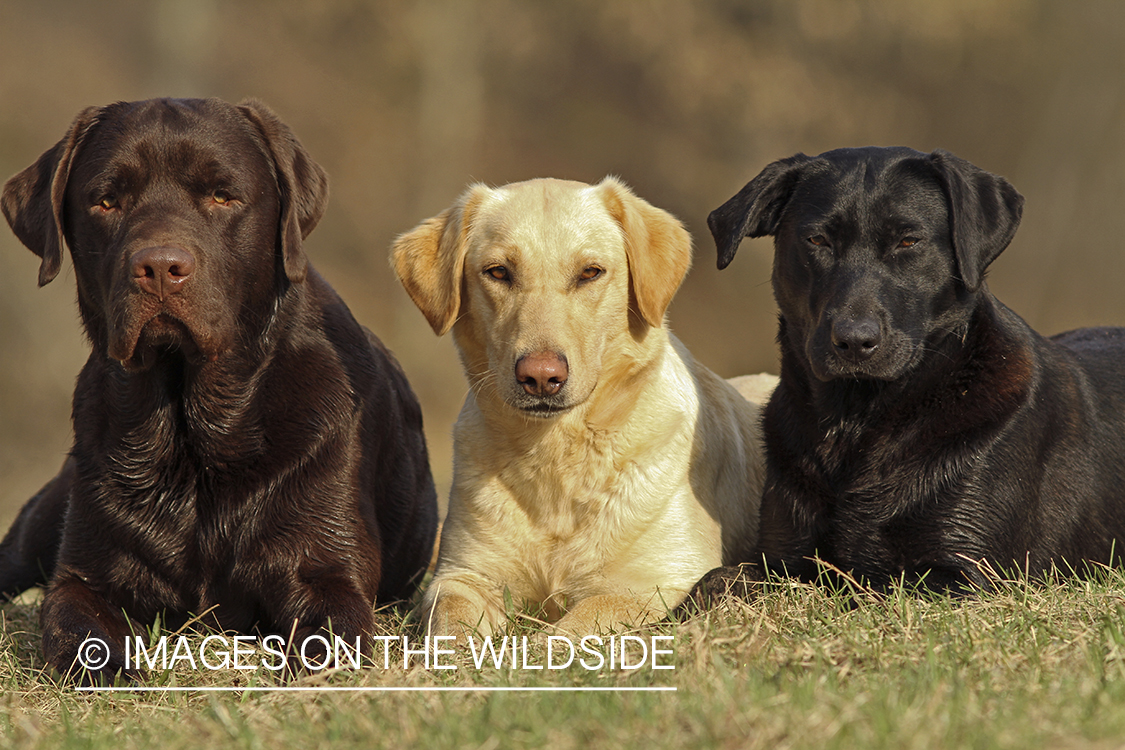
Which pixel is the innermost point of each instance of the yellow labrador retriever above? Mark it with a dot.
(599, 471)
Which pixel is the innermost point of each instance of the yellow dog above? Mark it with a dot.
(599, 471)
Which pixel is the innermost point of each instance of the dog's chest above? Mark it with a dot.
(183, 528)
(878, 476)
(567, 529)
(875, 497)
(582, 484)
(563, 488)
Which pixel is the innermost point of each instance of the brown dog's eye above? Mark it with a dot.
(221, 197)
(819, 240)
(590, 274)
(108, 203)
(498, 272)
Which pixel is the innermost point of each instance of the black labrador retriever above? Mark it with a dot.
(921, 430)
(243, 447)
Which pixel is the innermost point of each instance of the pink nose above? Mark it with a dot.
(542, 373)
(162, 271)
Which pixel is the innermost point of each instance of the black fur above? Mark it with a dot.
(242, 447)
(921, 428)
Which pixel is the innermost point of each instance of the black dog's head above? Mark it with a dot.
(184, 219)
(878, 250)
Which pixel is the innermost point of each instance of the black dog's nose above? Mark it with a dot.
(161, 271)
(856, 340)
(542, 373)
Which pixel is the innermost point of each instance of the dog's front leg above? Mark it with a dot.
(83, 633)
(332, 625)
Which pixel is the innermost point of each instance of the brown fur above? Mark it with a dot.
(243, 448)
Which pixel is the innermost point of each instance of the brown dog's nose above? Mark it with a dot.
(161, 271)
(542, 373)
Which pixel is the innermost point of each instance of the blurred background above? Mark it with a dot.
(404, 103)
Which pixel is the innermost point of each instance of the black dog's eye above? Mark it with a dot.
(498, 272)
(908, 242)
(819, 240)
(590, 274)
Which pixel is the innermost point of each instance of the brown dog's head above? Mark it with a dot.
(879, 252)
(547, 284)
(184, 219)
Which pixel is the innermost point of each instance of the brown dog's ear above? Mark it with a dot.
(755, 211)
(303, 185)
(984, 213)
(657, 246)
(33, 200)
(429, 260)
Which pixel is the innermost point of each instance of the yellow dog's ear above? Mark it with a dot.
(429, 260)
(657, 246)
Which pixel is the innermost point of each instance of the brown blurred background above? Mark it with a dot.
(404, 103)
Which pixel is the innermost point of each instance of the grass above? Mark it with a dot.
(1023, 666)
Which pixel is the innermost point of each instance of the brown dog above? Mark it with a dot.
(242, 447)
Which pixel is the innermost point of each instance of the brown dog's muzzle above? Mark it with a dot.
(161, 271)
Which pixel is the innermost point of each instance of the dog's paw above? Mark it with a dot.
(731, 581)
(93, 662)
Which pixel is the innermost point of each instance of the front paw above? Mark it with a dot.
(453, 607)
(84, 634)
(454, 615)
(90, 659)
(732, 581)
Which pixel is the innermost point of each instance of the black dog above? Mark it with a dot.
(243, 447)
(921, 428)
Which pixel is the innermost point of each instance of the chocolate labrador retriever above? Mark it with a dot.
(243, 447)
(921, 430)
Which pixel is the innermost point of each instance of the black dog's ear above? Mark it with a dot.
(33, 200)
(756, 209)
(302, 183)
(984, 212)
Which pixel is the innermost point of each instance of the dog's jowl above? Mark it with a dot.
(921, 430)
(244, 449)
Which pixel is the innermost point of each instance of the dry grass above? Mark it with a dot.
(800, 667)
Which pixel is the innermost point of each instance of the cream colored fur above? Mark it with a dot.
(607, 513)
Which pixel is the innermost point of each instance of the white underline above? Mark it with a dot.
(376, 689)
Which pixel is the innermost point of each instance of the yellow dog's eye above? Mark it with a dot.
(498, 272)
(590, 274)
